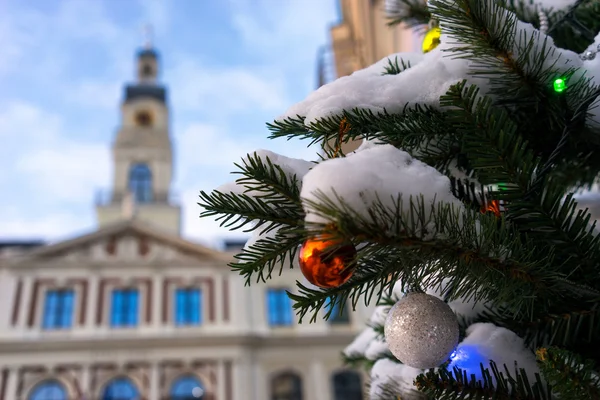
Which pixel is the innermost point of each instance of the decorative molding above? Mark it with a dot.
(143, 245)
(37, 285)
(148, 295)
(111, 246)
(83, 282)
(102, 283)
(3, 383)
(225, 295)
(203, 369)
(16, 304)
(228, 380)
(210, 284)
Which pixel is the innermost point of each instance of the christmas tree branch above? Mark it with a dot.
(570, 375)
(515, 63)
(261, 175)
(413, 13)
(574, 330)
(499, 155)
(264, 255)
(394, 68)
(442, 384)
(484, 258)
(236, 211)
(576, 27)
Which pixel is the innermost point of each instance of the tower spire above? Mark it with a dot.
(148, 36)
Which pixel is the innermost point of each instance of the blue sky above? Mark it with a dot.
(230, 66)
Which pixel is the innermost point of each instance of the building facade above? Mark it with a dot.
(361, 38)
(135, 311)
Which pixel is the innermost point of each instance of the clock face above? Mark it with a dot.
(143, 118)
(147, 71)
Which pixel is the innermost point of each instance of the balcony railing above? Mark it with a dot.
(325, 66)
(107, 197)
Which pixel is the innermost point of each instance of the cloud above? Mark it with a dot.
(51, 226)
(45, 160)
(67, 64)
(69, 171)
(157, 14)
(208, 153)
(226, 90)
(95, 94)
(265, 28)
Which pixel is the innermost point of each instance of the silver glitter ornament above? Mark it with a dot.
(421, 331)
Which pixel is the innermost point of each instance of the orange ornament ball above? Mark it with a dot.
(327, 263)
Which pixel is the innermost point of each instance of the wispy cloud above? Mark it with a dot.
(62, 69)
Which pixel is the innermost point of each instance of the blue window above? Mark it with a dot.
(279, 308)
(337, 316)
(187, 388)
(120, 389)
(140, 183)
(124, 310)
(58, 309)
(347, 386)
(48, 390)
(188, 306)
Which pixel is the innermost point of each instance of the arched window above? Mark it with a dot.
(286, 386)
(48, 390)
(187, 388)
(120, 389)
(347, 386)
(140, 183)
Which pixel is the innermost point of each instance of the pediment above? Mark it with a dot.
(131, 241)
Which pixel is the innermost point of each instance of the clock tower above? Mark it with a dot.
(142, 153)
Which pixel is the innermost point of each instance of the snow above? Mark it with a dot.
(361, 342)
(378, 172)
(429, 77)
(376, 349)
(486, 341)
(369, 89)
(594, 67)
(290, 166)
(379, 315)
(386, 371)
(466, 309)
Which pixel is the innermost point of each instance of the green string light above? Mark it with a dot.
(560, 85)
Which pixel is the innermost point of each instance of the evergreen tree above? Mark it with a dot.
(462, 191)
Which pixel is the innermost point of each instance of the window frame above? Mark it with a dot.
(337, 319)
(296, 392)
(57, 323)
(343, 392)
(140, 182)
(126, 313)
(282, 316)
(187, 314)
(183, 378)
(46, 383)
(119, 379)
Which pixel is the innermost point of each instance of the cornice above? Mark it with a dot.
(133, 342)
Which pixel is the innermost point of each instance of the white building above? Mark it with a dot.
(134, 311)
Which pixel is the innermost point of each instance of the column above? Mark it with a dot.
(220, 391)
(25, 305)
(11, 384)
(91, 306)
(157, 300)
(154, 393)
(319, 379)
(84, 383)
